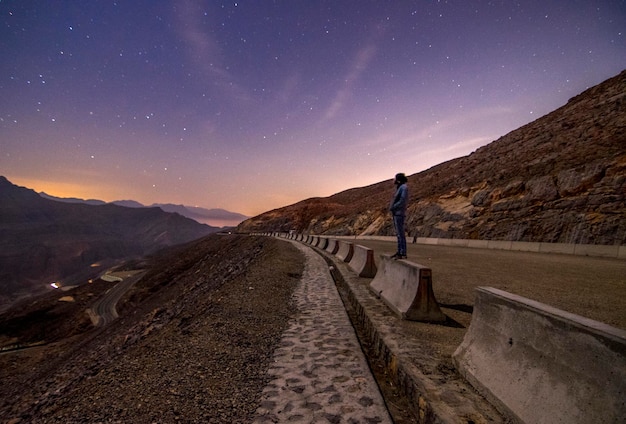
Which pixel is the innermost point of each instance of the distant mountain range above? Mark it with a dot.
(213, 217)
(44, 241)
(559, 179)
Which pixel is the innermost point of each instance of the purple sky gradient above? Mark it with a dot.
(253, 105)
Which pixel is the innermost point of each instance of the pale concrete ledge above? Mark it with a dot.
(596, 250)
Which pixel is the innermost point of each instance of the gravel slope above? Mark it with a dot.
(192, 345)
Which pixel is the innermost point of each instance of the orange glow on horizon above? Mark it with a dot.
(57, 188)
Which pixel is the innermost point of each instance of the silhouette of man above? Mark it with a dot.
(397, 208)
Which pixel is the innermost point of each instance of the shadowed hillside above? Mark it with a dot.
(222, 217)
(43, 241)
(561, 178)
(185, 349)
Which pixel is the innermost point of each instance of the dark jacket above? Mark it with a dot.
(400, 201)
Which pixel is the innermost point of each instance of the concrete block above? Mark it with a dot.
(380, 238)
(332, 246)
(524, 246)
(479, 244)
(427, 240)
(499, 244)
(406, 287)
(322, 243)
(458, 242)
(444, 242)
(565, 248)
(597, 250)
(538, 364)
(363, 262)
(345, 251)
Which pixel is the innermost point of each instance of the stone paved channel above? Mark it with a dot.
(320, 374)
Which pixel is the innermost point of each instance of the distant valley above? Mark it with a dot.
(212, 217)
(44, 241)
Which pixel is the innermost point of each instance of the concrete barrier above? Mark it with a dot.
(333, 246)
(522, 246)
(564, 248)
(427, 240)
(538, 364)
(406, 287)
(455, 242)
(614, 251)
(478, 244)
(362, 261)
(597, 250)
(499, 244)
(323, 242)
(345, 251)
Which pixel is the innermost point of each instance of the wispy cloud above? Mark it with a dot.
(204, 50)
(359, 65)
(470, 127)
(289, 86)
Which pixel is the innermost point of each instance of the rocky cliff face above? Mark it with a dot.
(561, 178)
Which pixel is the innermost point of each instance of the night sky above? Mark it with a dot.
(254, 105)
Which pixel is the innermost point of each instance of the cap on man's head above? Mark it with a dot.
(401, 178)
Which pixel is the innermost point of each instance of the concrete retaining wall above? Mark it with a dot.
(406, 287)
(346, 250)
(362, 262)
(614, 251)
(323, 242)
(539, 364)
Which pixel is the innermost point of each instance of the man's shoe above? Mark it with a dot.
(396, 256)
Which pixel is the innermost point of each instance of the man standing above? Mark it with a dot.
(398, 207)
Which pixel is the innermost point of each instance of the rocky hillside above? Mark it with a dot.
(561, 178)
(42, 241)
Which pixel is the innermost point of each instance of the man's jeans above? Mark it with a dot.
(398, 223)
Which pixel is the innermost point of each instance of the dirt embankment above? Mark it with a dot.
(192, 344)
